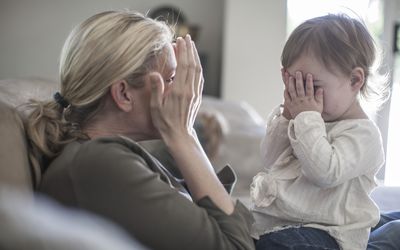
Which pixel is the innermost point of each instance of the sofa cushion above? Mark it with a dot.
(15, 167)
(14, 163)
(15, 92)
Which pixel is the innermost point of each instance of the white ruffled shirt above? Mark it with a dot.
(318, 175)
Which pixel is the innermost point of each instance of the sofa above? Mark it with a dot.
(234, 129)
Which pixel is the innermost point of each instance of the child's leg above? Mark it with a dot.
(297, 238)
(385, 237)
(387, 217)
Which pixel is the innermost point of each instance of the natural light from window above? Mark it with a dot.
(392, 173)
(371, 11)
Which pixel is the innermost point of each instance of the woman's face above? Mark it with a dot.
(166, 66)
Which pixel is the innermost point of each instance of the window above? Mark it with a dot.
(392, 173)
(370, 10)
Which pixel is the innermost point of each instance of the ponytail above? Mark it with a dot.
(48, 131)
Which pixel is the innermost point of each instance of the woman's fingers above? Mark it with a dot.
(198, 81)
(183, 99)
(190, 64)
(157, 90)
(175, 49)
(182, 60)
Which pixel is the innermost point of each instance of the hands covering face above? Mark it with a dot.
(173, 113)
(300, 97)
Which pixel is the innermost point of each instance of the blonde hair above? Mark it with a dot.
(107, 47)
(339, 42)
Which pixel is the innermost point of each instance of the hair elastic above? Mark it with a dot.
(60, 100)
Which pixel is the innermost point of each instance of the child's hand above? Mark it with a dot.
(285, 79)
(299, 98)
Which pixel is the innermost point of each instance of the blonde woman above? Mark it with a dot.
(124, 81)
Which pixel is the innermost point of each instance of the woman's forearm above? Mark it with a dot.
(198, 172)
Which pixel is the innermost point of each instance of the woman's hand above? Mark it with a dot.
(174, 112)
(299, 98)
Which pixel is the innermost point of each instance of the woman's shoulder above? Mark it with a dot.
(109, 159)
(107, 150)
(98, 154)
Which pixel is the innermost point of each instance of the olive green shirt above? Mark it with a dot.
(117, 178)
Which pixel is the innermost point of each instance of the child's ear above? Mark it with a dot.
(357, 78)
(121, 96)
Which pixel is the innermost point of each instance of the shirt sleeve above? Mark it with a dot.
(355, 149)
(276, 139)
(112, 181)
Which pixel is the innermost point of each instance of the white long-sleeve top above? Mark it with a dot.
(318, 175)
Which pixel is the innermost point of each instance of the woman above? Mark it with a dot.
(123, 81)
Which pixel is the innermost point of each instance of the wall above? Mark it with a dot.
(32, 32)
(254, 35)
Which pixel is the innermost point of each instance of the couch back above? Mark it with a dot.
(15, 167)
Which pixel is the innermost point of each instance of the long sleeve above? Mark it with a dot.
(276, 139)
(110, 180)
(326, 161)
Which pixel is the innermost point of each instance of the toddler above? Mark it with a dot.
(321, 151)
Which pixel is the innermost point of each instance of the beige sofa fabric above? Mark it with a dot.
(14, 165)
(15, 169)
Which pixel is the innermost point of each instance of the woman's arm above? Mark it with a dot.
(174, 114)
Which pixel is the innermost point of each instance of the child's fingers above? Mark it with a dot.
(283, 74)
(286, 96)
(291, 89)
(319, 96)
(309, 85)
(299, 84)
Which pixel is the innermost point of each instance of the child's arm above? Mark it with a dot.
(354, 149)
(276, 139)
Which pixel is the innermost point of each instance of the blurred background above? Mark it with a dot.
(239, 42)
